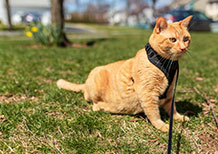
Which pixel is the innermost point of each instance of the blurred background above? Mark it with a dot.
(131, 13)
(42, 41)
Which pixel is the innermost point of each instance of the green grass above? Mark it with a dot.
(15, 27)
(37, 117)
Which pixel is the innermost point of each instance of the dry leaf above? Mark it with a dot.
(52, 151)
(154, 140)
(135, 120)
(212, 100)
(199, 79)
(99, 134)
(206, 108)
(212, 126)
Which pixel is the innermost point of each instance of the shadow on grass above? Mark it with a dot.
(187, 108)
(93, 42)
(183, 107)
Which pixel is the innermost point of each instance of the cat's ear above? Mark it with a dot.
(161, 24)
(185, 22)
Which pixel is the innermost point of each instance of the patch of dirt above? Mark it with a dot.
(209, 142)
(16, 98)
(204, 139)
(68, 72)
(27, 140)
(73, 45)
(36, 46)
(58, 115)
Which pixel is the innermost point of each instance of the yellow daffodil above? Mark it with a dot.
(29, 34)
(34, 29)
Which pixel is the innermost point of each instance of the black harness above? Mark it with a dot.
(167, 66)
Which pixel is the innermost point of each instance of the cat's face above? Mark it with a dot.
(171, 40)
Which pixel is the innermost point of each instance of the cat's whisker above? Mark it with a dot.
(189, 54)
(169, 64)
(173, 57)
(165, 60)
(189, 51)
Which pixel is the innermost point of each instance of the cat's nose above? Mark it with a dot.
(183, 49)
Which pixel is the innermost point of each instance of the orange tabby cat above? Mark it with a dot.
(134, 85)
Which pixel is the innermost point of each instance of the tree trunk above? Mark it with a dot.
(57, 17)
(8, 14)
(127, 11)
(153, 7)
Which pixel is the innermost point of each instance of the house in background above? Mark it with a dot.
(132, 19)
(209, 7)
(117, 17)
(21, 7)
(212, 9)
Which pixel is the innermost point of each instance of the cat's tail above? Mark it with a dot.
(70, 86)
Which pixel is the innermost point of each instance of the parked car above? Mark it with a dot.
(199, 22)
(31, 17)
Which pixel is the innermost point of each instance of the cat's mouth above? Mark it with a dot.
(178, 54)
(173, 54)
(182, 51)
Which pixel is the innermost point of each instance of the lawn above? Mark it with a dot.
(37, 117)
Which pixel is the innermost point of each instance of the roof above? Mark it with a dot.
(30, 3)
(213, 1)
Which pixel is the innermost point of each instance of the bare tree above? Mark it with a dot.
(153, 6)
(96, 12)
(8, 14)
(57, 16)
(135, 7)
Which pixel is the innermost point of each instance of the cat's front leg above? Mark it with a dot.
(176, 115)
(150, 104)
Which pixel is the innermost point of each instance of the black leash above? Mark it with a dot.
(171, 117)
(169, 72)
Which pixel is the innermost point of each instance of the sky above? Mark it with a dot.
(117, 4)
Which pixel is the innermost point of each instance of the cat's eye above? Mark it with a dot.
(185, 39)
(172, 39)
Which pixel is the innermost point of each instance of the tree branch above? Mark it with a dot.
(208, 103)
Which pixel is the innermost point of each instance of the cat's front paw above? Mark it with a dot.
(165, 128)
(95, 107)
(179, 117)
(161, 125)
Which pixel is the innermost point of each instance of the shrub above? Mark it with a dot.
(47, 35)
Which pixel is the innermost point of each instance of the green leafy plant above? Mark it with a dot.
(47, 35)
